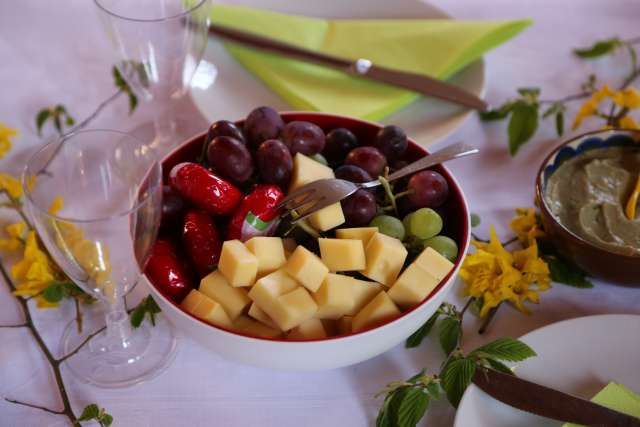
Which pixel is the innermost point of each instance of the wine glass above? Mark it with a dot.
(110, 186)
(159, 44)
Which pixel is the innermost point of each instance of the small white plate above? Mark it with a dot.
(578, 356)
(236, 91)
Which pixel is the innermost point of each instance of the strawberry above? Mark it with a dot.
(202, 240)
(167, 272)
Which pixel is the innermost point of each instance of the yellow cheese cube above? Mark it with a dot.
(233, 300)
(381, 309)
(342, 254)
(412, 287)
(306, 170)
(363, 292)
(203, 307)
(308, 330)
(238, 265)
(327, 218)
(361, 233)
(385, 258)
(434, 263)
(269, 251)
(344, 325)
(248, 326)
(334, 297)
(257, 313)
(267, 289)
(304, 266)
(295, 307)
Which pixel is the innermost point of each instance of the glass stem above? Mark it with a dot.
(165, 128)
(118, 326)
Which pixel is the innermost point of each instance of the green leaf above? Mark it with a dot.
(147, 305)
(41, 118)
(57, 123)
(456, 377)
(69, 121)
(137, 316)
(90, 412)
(498, 114)
(505, 348)
(560, 123)
(522, 125)
(499, 366)
(54, 292)
(449, 334)
(434, 389)
(106, 420)
(475, 220)
(567, 273)
(416, 338)
(409, 406)
(384, 417)
(133, 101)
(599, 48)
(532, 92)
(118, 80)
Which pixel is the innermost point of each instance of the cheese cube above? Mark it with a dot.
(304, 266)
(269, 251)
(412, 287)
(434, 263)
(344, 325)
(203, 307)
(267, 289)
(311, 329)
(237, 264)
(295, 308)
(385, 258)
(330, 326)
(248, 326)
(342, 254)
(257, 313)
(327, 218)
(233, 300)
(307, 170)
(361, 233)
(334, 297)
(363, 292)
(381, 309)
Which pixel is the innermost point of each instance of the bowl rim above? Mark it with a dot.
(442, 286)
(542, 203)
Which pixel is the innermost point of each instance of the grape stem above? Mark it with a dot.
(388, 191)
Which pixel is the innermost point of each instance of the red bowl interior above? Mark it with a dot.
(456, 212)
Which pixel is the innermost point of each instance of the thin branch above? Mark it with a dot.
(82, 344)
(93, 115)
(31, 405)
(568, 98)
(488, 319)
(21, 325)
(632, 77)
(510, 241)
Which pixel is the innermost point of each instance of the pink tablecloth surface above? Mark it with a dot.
(55, 52)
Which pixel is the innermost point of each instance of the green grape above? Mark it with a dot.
(423, 223)
(475, 220)
(389, 225)
(444, 245)
(320, 159)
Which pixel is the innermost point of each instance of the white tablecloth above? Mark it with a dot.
(56, 52)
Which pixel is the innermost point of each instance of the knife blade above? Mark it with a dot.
(547, 402)
(361, 67)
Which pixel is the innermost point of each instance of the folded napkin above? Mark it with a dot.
(617, 397)
(435, 47)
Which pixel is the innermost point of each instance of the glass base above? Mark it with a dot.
(147, 352)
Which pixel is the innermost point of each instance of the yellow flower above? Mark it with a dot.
(525, 226)
(495, 275)
(34, 272)
(6, 133)
(16, 237)
(56, 205)
(627, 98)
(628, 122)
(11, 185)
(586, 110)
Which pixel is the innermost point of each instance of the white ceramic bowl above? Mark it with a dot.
(332, 352)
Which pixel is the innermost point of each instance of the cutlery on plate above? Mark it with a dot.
(547, 402)
(361, 67)
(324, 192)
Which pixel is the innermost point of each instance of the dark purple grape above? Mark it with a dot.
(172, 206)
(428, 189)
(274, 163)
(338, 144)
(230, 158)
(368, 158)
(224, 128)
(392, 142)
(261, 124)
(302, 137)
(359, 208)
(352, 173)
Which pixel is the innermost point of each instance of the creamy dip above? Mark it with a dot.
(588, 192)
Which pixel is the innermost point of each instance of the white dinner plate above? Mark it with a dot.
(235, 91)
(577, 356)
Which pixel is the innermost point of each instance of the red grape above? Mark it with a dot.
(230, 158)
(368, 158)
(338, 144)
(428, 189)
(392, 141)
(303, 137)
(261, 124)
(224, 128)
(352, 173)
(359, 208)
(172, 206)
(274, 163)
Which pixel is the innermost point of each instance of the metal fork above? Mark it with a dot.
(319, 194)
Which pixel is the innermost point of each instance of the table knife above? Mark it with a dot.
(361, 67)
(547, 402)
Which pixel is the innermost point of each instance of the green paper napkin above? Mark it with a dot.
(617, 397)
(435, 47)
